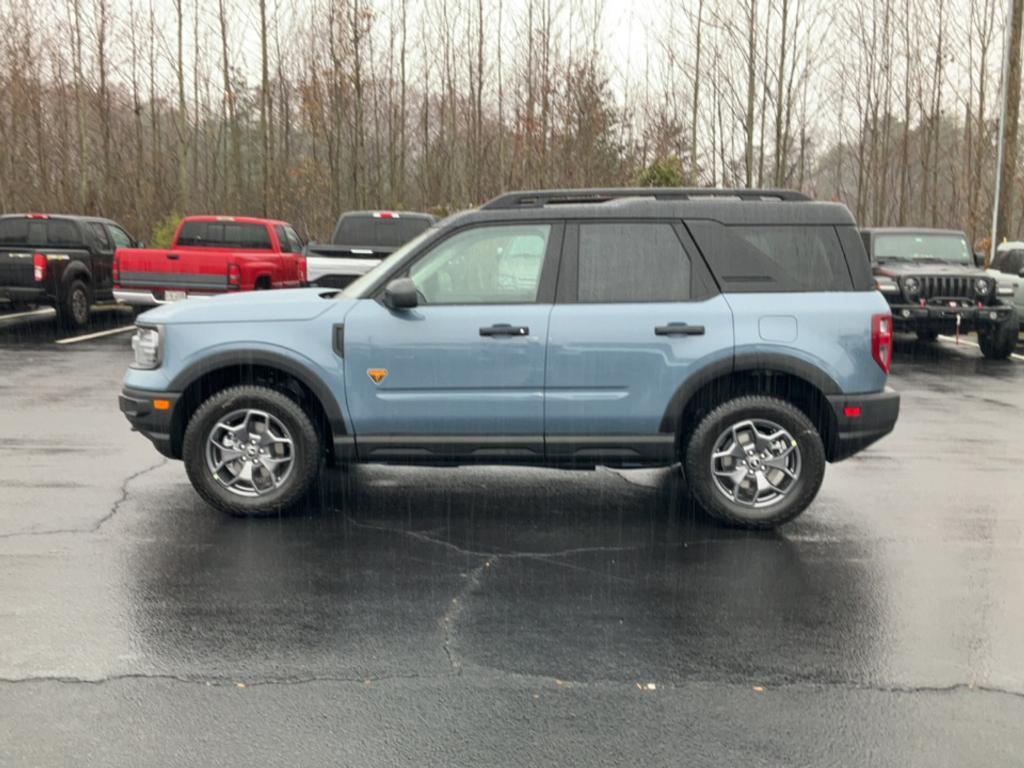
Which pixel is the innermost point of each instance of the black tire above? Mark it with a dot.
(927, 336)
(306, 458)
(698, 458)
(999, 342)
(74, 309)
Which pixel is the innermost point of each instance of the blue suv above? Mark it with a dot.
(737, 333)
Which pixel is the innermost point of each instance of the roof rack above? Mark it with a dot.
(539, 198)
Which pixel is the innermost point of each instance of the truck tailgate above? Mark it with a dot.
(16, 268)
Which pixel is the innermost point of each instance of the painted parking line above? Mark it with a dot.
(97, 335)
(952, 339)
(32, 314)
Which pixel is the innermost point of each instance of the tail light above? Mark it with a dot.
(881, 341)
(302, 270)
(116, 270)
(234, 277)
(39, 267)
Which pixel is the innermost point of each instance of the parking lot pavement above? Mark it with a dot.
(485, 616)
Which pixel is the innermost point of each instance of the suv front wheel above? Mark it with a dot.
(755, 462)
(251, 451)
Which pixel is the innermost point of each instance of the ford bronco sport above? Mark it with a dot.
(735, 332)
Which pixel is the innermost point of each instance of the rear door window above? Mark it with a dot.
(632, 262)
(771, 258)
(282, 238)
(102, 238)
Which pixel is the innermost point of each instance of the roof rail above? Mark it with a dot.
(539, 198)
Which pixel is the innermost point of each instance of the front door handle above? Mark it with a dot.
(679, 329)
(173, 257)
(504, 329)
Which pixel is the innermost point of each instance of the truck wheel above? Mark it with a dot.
(755, 462)
(73, 310)
(999, 342)
(251, 451)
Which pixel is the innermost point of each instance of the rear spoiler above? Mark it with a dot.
(375, 252)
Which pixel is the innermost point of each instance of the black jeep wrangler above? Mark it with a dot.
(931, 281)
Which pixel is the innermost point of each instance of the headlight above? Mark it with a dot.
(982, 287)
(147, 344)
(911, 286)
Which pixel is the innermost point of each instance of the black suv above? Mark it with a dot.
(64, 261)
(933, 286)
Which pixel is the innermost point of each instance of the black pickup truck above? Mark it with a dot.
(360, 241)
(933, 286)
(64, 261)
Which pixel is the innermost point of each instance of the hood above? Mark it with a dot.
(251, 306)
(901, 268)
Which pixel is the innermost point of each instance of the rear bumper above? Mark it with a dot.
(857, 429)
(29, 295)
(138, 407)
(913, 317)
(142, 298)
(137, 298)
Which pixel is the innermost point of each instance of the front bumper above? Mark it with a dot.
(140, 408)
(936, 317)
(861, 420)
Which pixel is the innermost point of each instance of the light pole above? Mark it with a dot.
(1004, 89)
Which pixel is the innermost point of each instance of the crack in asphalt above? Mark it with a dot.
(113, 510)
(512, 554)
(485, 671)
(457, 606)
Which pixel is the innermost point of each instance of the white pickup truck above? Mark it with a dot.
(360, 241)
(1008, 268)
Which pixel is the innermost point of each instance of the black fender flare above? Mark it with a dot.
(267, 359)
(748, 362)
(74, 270)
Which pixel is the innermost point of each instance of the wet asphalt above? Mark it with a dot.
(488, 616)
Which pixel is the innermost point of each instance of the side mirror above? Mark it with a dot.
(140, 244)
(979, 259)
(401, 294)
(1021, 273)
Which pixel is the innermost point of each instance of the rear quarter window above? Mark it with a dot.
(768, 258)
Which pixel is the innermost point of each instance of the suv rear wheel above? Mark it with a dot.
(998, 342)
(251, 451)
(755, 462)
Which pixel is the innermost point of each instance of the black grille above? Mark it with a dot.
(946, 287)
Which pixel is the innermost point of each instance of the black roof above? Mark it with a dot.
(727, 206)
(71, 216)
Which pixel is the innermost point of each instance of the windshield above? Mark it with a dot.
(363, 286)
(950, 248)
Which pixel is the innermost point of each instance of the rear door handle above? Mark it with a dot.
(173, 257)
(504, 329)
(679, 329)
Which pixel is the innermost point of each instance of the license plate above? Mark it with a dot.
(175, 295)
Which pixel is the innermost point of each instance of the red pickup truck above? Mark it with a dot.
(210, 255)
